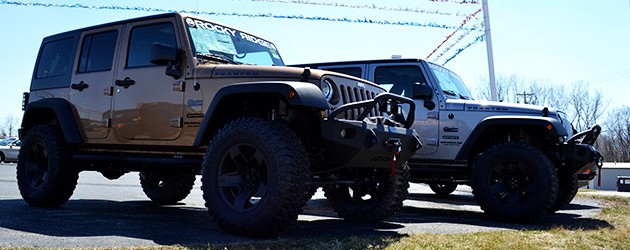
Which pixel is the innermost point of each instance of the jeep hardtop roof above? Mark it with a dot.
(164, 15)
(359, 62)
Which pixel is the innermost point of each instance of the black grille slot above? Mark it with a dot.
(352, 94)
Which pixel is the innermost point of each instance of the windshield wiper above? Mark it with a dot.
(455, 94)
(218, 57)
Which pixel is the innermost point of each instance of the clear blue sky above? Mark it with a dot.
(565, 41)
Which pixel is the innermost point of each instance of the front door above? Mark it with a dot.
(147, 106)
(399, 79)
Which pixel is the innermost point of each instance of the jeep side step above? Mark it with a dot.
(137, 163)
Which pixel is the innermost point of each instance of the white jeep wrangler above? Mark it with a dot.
(522, 161)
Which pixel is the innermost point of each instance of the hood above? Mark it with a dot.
(269, 72)
(490, 106)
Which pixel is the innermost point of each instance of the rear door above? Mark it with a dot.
(93, 78)
(148, 104)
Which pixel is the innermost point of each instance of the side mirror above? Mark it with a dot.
(164, 54)
(422, 91)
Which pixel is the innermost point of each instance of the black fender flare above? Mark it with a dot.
(542, 122)
(303, 94)
(59, 109)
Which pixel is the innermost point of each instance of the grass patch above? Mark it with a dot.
(616, 236)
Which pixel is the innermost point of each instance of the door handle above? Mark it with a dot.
(125, 83)
(80, 86)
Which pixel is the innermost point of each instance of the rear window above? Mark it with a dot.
(97, 53)
(54, 59)
(353, 71)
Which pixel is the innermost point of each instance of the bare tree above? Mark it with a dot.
(585, 106)
(507, 87)
(548, 94)
(614, 143)
(9, 126)
(517, 89)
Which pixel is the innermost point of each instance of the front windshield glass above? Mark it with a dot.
(450, 83)
(226, 45)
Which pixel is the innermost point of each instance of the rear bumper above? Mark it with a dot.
(580, 155)
(370, 142)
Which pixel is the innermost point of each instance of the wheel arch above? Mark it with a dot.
(493, 130)
(255, 98)
(53, 111)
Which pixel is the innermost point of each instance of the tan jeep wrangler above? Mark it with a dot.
(173, 96)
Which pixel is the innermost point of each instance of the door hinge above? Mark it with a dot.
(177, 122)
(109, 91)
(179, 86)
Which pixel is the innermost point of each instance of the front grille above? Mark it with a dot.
(351, 94)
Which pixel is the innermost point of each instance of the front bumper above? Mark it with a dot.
(579, 153)
(370, 142)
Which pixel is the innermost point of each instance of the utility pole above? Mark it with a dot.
(525, 95)
(486, 21)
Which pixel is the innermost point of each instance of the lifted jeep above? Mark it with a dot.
(522, 161)
(172, 96)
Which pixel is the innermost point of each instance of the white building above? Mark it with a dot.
(610, 172)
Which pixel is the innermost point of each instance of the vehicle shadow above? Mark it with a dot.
(165, 225)
(191, 226)
(571, 217)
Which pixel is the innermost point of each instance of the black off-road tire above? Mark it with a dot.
(375, 196)
(166, 189)
(567, 189)
(514, 182)
(443, 188)
(255, 177)
(45, 174)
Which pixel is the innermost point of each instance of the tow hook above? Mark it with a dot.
(600, 164)
(396, 144)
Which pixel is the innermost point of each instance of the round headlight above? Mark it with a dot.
(327, 89)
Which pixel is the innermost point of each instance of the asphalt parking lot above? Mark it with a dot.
(111, 214)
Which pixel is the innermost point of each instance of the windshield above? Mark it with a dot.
(227, 45)
(450, 83)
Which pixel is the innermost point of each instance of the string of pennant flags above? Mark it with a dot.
(366, 6)
(215, 13)
(455, 42)
(464, 22)
(480, 38)
(462, 27)
(457, 1)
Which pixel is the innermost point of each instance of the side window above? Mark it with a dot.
(139, 54)
(398, 79)
(353, 71)
(54, 59)
(97, 52)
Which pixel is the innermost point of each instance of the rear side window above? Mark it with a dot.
(353, 71)
(54, 59)
(139, 54)
(398, 79)
(97, 52)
